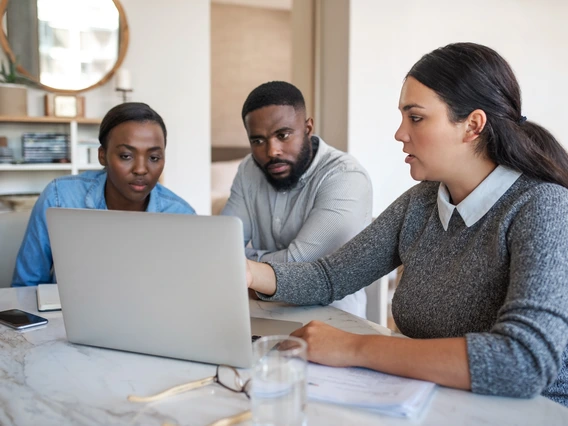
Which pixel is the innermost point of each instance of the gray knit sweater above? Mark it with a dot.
(502, 283)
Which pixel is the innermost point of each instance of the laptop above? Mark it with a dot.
(155, 283)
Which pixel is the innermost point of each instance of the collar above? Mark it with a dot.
(95, 197)
(322, 149)
(481, 199)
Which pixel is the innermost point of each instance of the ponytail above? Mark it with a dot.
(527, 148)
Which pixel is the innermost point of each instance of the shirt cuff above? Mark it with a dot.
(253, 254)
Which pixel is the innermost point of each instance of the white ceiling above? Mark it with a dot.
(268, 4)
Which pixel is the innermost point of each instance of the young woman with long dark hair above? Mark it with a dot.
(483, 240)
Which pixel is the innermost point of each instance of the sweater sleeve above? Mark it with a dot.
(364, 259)
(522, 353)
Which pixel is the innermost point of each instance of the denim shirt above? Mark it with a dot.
(85, 191)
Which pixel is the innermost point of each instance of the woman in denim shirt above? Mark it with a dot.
(133, 144)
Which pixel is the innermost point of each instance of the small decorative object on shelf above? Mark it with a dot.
(13, 100)
(88, 151)
(13, 92)
(70, 106)
(6, 153)
(10, 74)
(123, 83)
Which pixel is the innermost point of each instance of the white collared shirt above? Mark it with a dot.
(481, 199)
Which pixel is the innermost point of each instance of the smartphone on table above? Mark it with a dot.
(20, 320)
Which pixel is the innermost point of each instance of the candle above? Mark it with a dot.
(123, 79)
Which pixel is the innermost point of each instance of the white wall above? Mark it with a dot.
(332, 82)
(388, 37)
(169, 59)
(303, 51)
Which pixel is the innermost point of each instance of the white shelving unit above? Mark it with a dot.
(32, 178)
(33, 167)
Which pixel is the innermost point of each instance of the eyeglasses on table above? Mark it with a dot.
(225, 375)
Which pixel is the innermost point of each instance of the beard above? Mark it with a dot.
(297, 168)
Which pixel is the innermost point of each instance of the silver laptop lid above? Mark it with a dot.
(161, 284)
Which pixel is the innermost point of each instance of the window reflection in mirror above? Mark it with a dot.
(77, 41)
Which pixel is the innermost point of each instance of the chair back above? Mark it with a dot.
(12, 228)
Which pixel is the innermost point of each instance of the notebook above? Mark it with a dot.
(48, 298)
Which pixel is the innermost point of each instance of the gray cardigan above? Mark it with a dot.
(502, 283)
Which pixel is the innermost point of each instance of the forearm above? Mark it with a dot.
(442, 361)
(364, 259)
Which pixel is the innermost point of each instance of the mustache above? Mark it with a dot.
(275, 161)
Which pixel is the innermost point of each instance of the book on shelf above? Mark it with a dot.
(6, 155)
(45, 147)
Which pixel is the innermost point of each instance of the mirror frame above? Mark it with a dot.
(123, 47)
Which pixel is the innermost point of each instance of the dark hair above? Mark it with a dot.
(128, 111)
(274, 93)
(469, 76)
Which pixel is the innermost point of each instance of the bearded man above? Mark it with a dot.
(299, 199)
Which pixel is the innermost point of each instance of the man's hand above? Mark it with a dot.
(260, 277)
(328, 345)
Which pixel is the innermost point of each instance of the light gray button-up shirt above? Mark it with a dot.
(330, 204)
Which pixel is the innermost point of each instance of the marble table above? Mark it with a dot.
(45, 380)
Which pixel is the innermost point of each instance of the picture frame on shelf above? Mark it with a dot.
(59, 105)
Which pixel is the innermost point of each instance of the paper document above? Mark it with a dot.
(359, 387)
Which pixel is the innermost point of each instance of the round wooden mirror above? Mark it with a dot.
(64, 45)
